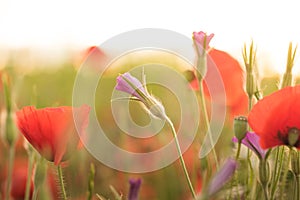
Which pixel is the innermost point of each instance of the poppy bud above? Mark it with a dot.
(240, 126)
(293, 136)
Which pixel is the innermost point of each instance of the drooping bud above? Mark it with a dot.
(240, 126)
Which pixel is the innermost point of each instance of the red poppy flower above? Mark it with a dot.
(233, 79)
(51, 131)
(275, 116)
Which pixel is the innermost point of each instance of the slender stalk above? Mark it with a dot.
(277, 173)
(61, 182)
(235, 176)
(205, 115)
(35, 194)
(29, 172)
(10, 170)
(181, 158)
(250, 168)
(285, 174)
(265, 190)
(297, 187)
(91, 182)
(238, 150)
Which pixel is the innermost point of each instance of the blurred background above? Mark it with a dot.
(44, 43)
(52, 31)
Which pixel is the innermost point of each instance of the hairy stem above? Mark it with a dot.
(61, 182)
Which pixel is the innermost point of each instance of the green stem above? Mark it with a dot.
(250, 104)
(285, 175)
(265, 190)
(205, 115)
(238, 150)
(35, 194)
(235, 175)
(297, 186)
(278, 172)
(250, 168)
(29, 172)
(10, 170)
(181, 158)
(61, 182)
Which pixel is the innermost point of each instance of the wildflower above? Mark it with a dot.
(132, 86)
(202, 41)
(224, 175)
(51, 131)
(135, 185)
(201, 45)
(251, 140)
(275, 118)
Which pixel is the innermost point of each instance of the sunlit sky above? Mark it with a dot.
(63, 24)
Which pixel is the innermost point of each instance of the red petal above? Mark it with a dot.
(274, 115)
(51, 130)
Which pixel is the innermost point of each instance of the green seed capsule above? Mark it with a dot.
(240, 126)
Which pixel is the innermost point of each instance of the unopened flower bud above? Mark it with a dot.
(250, 84)
(240, 126)
(10, 132)
(134, 189)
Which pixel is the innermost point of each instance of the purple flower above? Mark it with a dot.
(135, 185)
(224, 175)
(202, 41)
(130, 85)
(251, 140)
